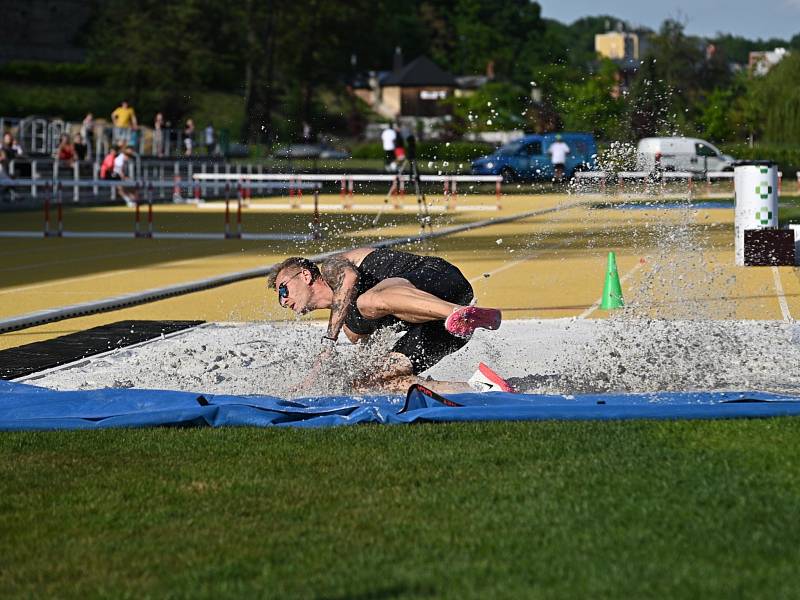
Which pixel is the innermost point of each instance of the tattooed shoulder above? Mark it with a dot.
(333, 271)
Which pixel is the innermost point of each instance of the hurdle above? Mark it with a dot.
(296, 183)
(316, 232)
(394, 192)
(675, 175)
(137, 233)
(59, 232)
(346, 197)
(599, 178)
(453, 197)
(238, 234)
(176, 189)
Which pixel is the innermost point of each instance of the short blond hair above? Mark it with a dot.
(294, 261)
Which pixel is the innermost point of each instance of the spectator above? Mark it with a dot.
(81, 149)
(107, 166)
(11, 147)
(123, 118)
(307, 133)
(158, 135)
(11, 150)
(210, 139)
(87, 133)
(6, 193)
(388, 138)
(65, 153)
(133, 141)
(188, 137)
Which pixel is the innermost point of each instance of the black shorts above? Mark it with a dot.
(427, 343)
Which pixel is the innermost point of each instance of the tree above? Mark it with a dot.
(773, 102)
(649, 105)
(494, 31)
(714, 119)
(494, 107)
(595, 104)
(153, 49)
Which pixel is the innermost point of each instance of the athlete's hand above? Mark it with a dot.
(326, 353)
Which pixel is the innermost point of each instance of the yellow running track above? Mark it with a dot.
(674, 263)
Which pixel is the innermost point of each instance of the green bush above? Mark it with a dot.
(63, 73)
(786, 156)
(64, 101)
(430, 150)
(368, 150)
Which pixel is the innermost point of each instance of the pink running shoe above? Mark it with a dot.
(486, 380)
(464, 321)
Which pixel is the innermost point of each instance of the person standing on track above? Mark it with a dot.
(367, 289)
(558, 157)
(388, 140)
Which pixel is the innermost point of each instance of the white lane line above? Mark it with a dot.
(599, 301)
(776, 276)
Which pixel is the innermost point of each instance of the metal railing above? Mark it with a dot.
(40, 135)
(26, 178)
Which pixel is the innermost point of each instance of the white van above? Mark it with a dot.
(680, 154)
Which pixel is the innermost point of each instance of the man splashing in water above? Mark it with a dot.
(367, 289)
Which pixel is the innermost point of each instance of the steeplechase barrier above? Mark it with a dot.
(621, 178)
(397, 182)
(182, 190)
(143, 193)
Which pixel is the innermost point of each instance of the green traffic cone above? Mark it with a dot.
(612, 290)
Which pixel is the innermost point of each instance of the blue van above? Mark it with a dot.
(527, 158)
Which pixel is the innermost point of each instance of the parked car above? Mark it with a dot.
(680, 154)
(527, 158)
(322, 151)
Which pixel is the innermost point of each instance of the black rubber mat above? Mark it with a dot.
(38, 356)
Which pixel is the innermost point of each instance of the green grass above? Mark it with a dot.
(511, 510)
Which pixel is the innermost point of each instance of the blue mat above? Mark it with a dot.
(26, 407)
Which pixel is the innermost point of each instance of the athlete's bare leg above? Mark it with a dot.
(397, 296)
(396, 375)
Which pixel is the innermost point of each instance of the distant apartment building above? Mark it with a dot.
(617, 45)
(760, 63)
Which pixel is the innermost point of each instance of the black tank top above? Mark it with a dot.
(379, 265)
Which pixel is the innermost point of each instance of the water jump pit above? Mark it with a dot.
(242, 374)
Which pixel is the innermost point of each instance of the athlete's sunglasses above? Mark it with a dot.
(283, 291)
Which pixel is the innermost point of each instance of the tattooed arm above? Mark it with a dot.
(341, 275)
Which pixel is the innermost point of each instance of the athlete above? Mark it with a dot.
(367, 289)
